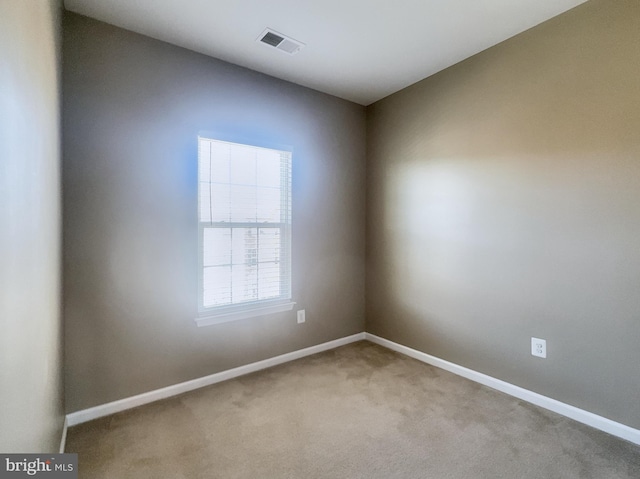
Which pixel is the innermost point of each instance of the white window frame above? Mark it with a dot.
(233, 312)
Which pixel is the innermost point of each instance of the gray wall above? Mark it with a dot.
(133, 107)
(503, 198)
(31, 414)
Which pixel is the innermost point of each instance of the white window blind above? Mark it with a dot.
(244, 225)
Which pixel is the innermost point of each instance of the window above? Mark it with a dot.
(244, 218)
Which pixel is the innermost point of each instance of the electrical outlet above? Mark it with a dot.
(301, 318)
(539, 347)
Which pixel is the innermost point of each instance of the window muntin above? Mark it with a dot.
(244, 218)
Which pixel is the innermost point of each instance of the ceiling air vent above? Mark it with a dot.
(281, 42)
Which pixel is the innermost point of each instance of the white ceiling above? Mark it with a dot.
(360, 50)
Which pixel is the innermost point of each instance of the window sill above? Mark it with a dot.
(209, 318)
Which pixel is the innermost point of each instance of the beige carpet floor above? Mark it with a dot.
(360, 411)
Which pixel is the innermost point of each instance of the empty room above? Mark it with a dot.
(355, 239)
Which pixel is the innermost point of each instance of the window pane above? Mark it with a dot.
(244, 279)
(269, 168)
(244, 244)
(216, 286)
(243, 203)
(268, 205)
(220, 158)
(220, 202)
(268, 280)
(204, 157)
(204, 202)
(216, 246)
(269, 245)
(243, 165)
(214, 202)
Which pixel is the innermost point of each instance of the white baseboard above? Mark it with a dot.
(96, 412)
(63, 439)
(580, 415)
(572, 412)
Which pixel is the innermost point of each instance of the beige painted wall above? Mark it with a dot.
(133, 107)
(30, 321)
(504, 203)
